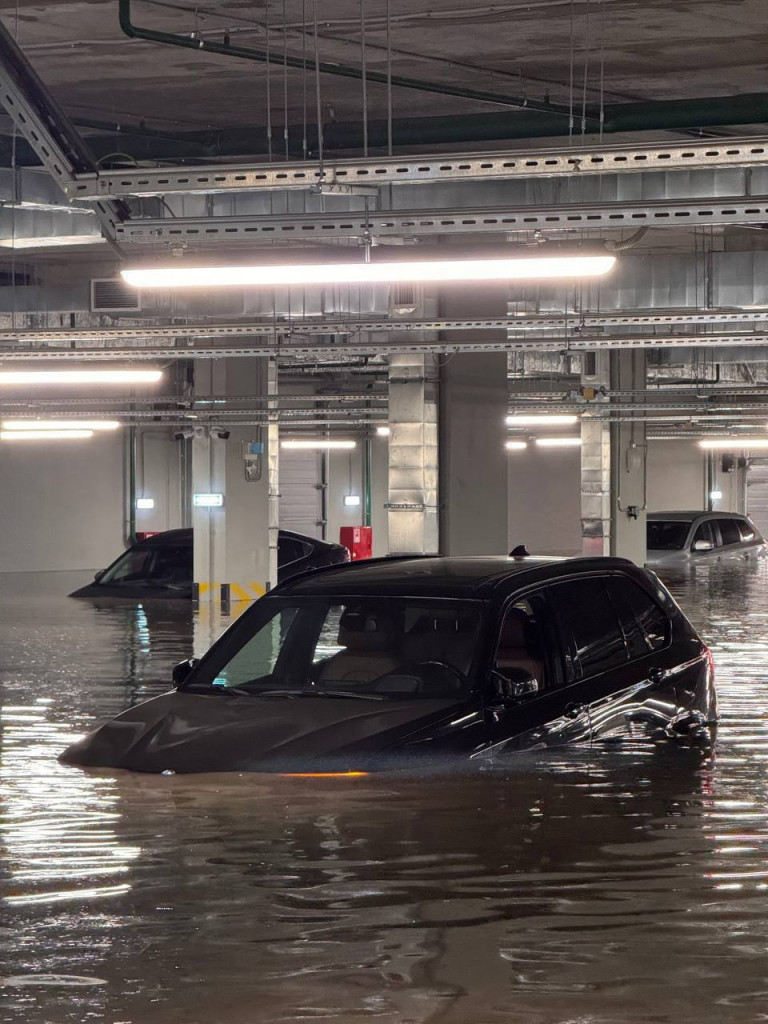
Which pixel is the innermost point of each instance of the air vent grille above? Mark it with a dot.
(404, 299)
(113, 295)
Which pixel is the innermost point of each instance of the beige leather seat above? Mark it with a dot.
(518, 647)
(369, 652)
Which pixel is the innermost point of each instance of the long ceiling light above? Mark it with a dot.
(515, 446)
(33, 377)
(526, 420)
(558, 442)
(60, 425)
(732, 443)
(45, 435)
(320, 443)
(504, 268)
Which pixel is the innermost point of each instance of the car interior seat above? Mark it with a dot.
(518, 645)
(368, 639)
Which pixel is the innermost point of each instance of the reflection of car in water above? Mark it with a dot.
(701, 538)
(354, 668)
(161, 566)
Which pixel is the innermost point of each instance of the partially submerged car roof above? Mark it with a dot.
(177, 538)
(694, 514)
(433, 576)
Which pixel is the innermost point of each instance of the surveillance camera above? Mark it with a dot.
(184, 434)
(220, 432)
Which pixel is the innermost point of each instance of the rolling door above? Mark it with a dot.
(301, 496)
(757, 494)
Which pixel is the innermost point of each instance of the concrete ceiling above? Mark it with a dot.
(649, 50)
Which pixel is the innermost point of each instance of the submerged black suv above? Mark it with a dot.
(409, 660)
(161, 566)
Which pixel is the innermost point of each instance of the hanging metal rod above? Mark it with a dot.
(556, 162)
(445, 221)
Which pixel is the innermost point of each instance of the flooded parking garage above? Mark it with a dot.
(583, 884)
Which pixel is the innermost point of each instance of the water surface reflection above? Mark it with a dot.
(590, 884)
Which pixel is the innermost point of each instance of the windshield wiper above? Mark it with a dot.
(316, 691)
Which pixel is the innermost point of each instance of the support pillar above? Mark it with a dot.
(595, 458)
(412, 506)
(629, 462)
(235, 543)
(474, 463)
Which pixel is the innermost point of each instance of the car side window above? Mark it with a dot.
(589, 619)
(522, 642)
(706, 533)
(646, 626)
(747, 531)
(729, 531)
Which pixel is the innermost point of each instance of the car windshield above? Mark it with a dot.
(667, 534)
(375, 648)
(158, 566)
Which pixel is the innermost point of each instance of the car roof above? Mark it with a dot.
(183, 538)
(690, 516)
(428, 576)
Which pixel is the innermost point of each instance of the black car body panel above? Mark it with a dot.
(163, 565)
(607, 648)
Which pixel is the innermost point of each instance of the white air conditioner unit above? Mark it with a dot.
(113, 295)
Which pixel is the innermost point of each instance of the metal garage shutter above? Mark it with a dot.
(301, 497)
(757, 494)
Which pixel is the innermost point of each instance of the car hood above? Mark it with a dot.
(189, 732)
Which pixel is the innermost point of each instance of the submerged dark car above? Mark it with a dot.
(406, 661)
(161, 566)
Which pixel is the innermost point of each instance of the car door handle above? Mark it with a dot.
(574, 710)
(657, 675)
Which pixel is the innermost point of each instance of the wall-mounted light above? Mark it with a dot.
(515, 446)
(555, 420)
(715, 495)
(317, 443)
(558, 442)
(381, 269)
(351, 500)
(207, 500)
(733, 443)
(383, 431)
(145, 503)
(45, 435)
(43, 377)
(60, 425)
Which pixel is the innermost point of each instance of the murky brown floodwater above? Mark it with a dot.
(578, 886)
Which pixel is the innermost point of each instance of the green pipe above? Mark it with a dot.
(342, 70)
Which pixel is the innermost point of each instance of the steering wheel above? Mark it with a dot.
(451, 669)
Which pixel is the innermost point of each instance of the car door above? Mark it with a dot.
(705, 532)
(732, 547)
(528, 639)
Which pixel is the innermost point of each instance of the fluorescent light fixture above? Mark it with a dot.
(715, 495)
(45, 435)
(44, 377)
(558, 442)
(383, 431)
(319, 443)
(351, 499)
(145, 503)
(505, 268)
(524, 420)
(515, 446)
(733, 443)
(207, 500)
(50, 241)
(60, 425)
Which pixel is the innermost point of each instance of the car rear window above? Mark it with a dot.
(667, 534)
(729, 531)
(646, 626)
(590, 620)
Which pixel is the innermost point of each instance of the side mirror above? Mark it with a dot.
(703, 545)
(183, 671)
(97, 575)
(514, 685)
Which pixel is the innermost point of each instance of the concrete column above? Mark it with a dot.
(629, 460)
(474, 464)
(235, 545)
(595, 458)
(412, 507)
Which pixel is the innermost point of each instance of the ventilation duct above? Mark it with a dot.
(113, 295)
(35, 214)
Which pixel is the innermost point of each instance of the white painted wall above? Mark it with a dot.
(61, 504)
(345, 476)
(158, 477)
(677, 476)
(545, 500)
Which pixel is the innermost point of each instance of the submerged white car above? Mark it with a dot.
(701, 538)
